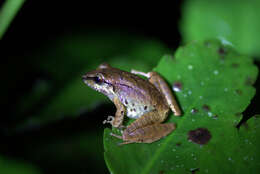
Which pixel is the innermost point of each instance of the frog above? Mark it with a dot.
(148, 100)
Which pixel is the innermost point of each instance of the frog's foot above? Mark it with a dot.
(117, 136)
(147, 75)
(122, 127)
(148, 134)
(109, 119)
(120, 137)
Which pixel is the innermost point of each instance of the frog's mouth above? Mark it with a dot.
(92, 82)
(98, 84)
(86, 79)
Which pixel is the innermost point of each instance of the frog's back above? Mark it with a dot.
(137, 94)
(126, 80)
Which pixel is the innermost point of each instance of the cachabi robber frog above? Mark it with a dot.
(147, 101)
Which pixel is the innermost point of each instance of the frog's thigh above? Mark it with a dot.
(149, 133)
(163, 87)
(145, 120)
(120, 112)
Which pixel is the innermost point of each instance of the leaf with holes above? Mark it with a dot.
(213, 85)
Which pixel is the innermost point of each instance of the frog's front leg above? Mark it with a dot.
(162, 86)
(119, 116)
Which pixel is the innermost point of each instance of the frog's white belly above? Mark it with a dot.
(136, 111)
(134, 108)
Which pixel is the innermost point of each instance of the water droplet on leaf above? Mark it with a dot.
(194, 110)
(216, 72)
(177, 86)
(190, 67)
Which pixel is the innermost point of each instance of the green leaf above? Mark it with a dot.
(216, 86)
(7, 14)
(232, 21)
(16, 167)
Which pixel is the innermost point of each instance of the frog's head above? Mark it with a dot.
(97, 80)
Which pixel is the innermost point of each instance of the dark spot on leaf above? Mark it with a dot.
(234, 65)
(126, 102)
(161, 172)
(222, 51)
(239, 92)
(199, 136)
(145, 107)
(131, 110)
(178, 144)
(194, 110)
(133, 104)
(207, 43)
(134, 110)
(177, 86)
(249, 81)
(193, 171)
(206, 108)
(215, 116)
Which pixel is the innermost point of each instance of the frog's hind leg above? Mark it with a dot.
(149, 133)
(163, 87)
(120, 137)
(148, 118)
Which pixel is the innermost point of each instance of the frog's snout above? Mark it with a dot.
(84, 77)
(88, 80)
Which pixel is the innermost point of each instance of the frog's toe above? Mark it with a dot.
(117, 136)
(122, 127)
(109, 119)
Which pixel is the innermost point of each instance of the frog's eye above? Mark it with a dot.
(97, 80)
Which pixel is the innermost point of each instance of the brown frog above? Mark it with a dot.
(147, 101)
